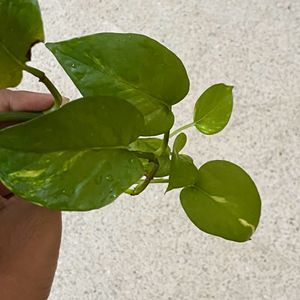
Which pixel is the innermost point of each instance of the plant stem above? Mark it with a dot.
(159, 180)
(50, 86)
(18, 116)
(39, 74)
(165, 142)
(161, 150)
(142, 186)
(152, 157)
(182, 128)
(129, 191)
(156, 180)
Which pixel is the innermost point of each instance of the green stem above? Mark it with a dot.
(18, 116)
(129, 191)
(165, 142)
(159, 180)
(50, 86)
(182, 128)
(142, 186)
(161, 150)
(39, 74)
(156, 180)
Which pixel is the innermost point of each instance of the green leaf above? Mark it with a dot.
(75, 158)
(130, 66)
(70, 180)
(91, 122)
(224, 201)
(21, 28)
(152, 145)
(179, 142)
(183, 172)
(213, 109)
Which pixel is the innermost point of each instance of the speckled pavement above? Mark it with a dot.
(145, 248)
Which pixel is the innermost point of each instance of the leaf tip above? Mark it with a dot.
(230, 87)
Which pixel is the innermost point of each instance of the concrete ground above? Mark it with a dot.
(145, 248)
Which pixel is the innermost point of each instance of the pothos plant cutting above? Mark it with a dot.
(83, 155)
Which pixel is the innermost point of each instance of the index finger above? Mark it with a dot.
(24, 101)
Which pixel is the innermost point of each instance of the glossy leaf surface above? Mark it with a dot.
(224, 201)
(183, 172)
(75, 158)
(91, 122)
(213, 109)
(131, 66)
(152, 145)
(21, 27)
(70, 180)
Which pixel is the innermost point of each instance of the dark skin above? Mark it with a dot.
(29, 235)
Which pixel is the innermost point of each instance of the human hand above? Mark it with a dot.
(29, 235)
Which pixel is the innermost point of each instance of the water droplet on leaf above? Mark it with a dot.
(109, 178)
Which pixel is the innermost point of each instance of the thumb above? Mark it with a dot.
(24, 101)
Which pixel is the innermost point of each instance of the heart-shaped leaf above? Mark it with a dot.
(213, 109)
(152, 145)
(21, 28)
(75, 158)
(131, 66)
(183, 172)
(224, 201)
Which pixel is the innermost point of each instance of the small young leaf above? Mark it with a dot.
(179, 142)
(152, 145)
(75, 158)
(131, 66)
(213, 109)
(183, 172)
(21, 28)
(224, 201)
